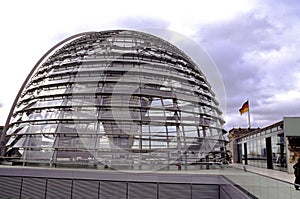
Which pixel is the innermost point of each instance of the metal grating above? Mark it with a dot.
(57, 188)
(10, 187)
(174, 191)
(113, 190)
(33, 188)
(142, 190)
(43, 187)
(85, 189)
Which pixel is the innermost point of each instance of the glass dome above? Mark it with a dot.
(114, 99)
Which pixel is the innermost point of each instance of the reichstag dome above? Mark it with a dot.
(118, 99)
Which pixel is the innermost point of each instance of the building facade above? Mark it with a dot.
(274, 147)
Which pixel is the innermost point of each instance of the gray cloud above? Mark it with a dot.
(257, 54)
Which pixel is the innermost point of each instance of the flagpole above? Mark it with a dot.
(249, 114)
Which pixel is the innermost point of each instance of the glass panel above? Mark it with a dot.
(74, 142)
(57, 102)
(44, 128)
(10, 141)
(45, 154)
(23, 130)
(191, 131)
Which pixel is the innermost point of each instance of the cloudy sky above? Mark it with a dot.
(255, 44)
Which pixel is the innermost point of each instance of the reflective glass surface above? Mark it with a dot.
(116, 99)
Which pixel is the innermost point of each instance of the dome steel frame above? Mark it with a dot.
(121, 99)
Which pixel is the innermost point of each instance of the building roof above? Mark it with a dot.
(238, 133)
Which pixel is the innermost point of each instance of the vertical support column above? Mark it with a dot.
(24, 156)
(239, 153)
(140, 144)
(289, 156)
(53, 159)
(179, 150)
(168, 147)
(177, 120)
(282, 160)
(235, 151)
(97, 141)
(245, 154)
(269, 153)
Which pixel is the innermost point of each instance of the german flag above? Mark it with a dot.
(245, 108)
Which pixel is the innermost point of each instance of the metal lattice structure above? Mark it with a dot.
(120, 99)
